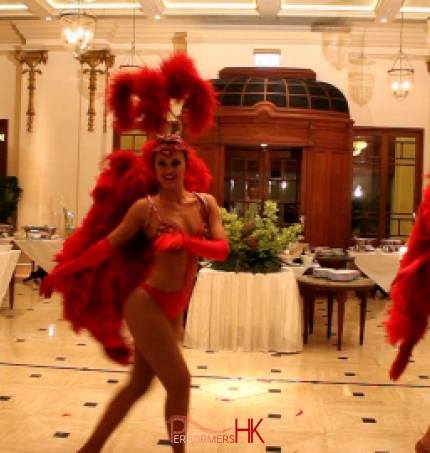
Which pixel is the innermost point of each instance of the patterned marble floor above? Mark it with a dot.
(55, 384)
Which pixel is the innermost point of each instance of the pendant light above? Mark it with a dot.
(401, 74)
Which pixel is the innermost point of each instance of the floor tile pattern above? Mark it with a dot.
(55, 384)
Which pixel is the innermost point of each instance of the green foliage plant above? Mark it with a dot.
(256, 240)
(9, 197)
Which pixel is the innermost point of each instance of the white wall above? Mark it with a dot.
(60, 158)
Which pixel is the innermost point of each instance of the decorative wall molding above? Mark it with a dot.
(94, 59)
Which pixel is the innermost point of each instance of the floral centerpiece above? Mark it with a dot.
(255, 240)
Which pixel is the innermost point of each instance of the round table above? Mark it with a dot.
(311, 286)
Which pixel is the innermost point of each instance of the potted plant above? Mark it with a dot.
(256, 240)
(9, 197)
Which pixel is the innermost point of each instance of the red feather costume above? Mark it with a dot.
(410, 291)
(93, 297)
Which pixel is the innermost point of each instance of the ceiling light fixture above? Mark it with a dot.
(401, 74)
(78, 29)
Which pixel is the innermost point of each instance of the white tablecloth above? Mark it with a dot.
(380, 267)
(241, 311)
(8, 262)
(41, 251)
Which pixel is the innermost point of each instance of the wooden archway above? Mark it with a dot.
(325, 138)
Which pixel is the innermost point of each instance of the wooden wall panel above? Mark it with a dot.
(315, 195)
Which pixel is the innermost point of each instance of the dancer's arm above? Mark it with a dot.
(102, 249)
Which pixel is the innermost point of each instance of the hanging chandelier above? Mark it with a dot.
(78, 30)
(131, 62)
(401, 74)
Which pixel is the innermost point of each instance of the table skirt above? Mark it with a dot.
(380, 267)
(245, 312)
(8, 262)
(41, 251)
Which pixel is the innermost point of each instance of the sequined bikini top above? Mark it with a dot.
(170, 227)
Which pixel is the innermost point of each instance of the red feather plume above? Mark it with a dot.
(120, 101)
(199, 108)
(180, 74)
(184, 82)
(153, 100)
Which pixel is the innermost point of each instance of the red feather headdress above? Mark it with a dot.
(142, 99)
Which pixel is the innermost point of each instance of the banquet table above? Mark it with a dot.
(245, 312)
(8, 262)
(380, 267)
(41, 251)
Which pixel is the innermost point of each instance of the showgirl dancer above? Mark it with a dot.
(135, 257)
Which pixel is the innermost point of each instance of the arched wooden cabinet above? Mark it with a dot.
(287, 109)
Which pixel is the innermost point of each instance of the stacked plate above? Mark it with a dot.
(338, 275)
(322, 272)
(344, 275)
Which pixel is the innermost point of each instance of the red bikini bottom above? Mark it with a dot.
(172, 303)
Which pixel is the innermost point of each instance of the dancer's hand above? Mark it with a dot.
(217, 249)
(170, 241)
(47, 286)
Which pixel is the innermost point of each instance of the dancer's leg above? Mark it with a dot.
(423, 445)
(157, 341)
(138, 384)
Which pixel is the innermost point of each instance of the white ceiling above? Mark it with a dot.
(25, 22)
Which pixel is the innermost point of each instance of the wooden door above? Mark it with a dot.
(253, 176)
(387, 182)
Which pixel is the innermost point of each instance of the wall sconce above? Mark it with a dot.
(32, 59)
(94, 58)
(358, 146)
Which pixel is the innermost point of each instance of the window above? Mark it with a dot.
(130, 140)
(267, 57)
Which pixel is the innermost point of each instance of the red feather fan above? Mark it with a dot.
(94, 297)
(409, 315)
